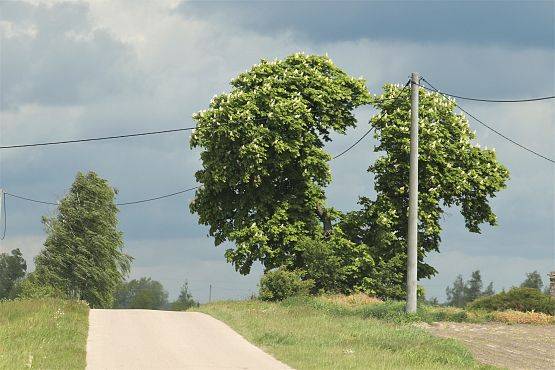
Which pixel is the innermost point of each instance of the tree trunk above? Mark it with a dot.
(323, 215)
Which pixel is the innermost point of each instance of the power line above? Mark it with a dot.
(30, 199)
(97, 138)
(371, 128)
(156, 198)
(177, 192)
(491, 128)
(117, 204)
(354, 144)
(504, 136)
(486, 100)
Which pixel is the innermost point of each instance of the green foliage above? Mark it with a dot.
(473, 288)
(276, 285)
(82, 255)
(452, 172)
(518, 299)
(323, 265)
(12, 270)
(489, 290)
(142, 293)
(336, 265)
(30, 288)
(185, 299)
(455, 294)
(264, 165)
(462, 293)
(533, 280)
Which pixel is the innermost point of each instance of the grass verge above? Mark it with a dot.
(43, 334)
(310, 333)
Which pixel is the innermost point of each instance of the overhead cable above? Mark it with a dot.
(117, 204)
(371, 128)
(491, 128)
(96, 138)
(486, 100)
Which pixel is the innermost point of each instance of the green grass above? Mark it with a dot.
(310, 333)
(394, 311)
(43, 334)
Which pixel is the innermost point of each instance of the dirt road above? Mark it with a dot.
(143, 339)
(508, 346)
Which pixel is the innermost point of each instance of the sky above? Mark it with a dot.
(85, 69)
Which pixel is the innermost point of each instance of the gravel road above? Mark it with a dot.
(144, 339)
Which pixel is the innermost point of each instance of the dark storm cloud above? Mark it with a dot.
(523, 24)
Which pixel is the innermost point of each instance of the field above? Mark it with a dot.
(514, 346)
(44, 334)
(312, 333)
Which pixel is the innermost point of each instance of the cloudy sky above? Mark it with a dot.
(85, 69)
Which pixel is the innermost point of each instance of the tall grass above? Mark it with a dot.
(311, 333)
(394, 311)
(43, 334)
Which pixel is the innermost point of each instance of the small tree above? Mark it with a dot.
(473, 288)
(143, 293)
(12, 270)
(82, 255)
(489, 290)
(455, 294)
(463, 292)
(185, 299)
(533, 280)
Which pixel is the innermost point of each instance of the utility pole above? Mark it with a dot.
(210, 294)
(2, 205)
(412, 256)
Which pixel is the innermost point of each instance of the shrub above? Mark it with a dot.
(517, 317)
(323, 265)
(29, 288)
(276, 285)
(517, 299)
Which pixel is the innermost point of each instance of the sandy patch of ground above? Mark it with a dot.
(511, 346)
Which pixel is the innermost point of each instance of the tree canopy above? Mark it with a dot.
(82, 255)
(533, 280)
(142, 293)
(462, 293)
(185, 299)
(264, 166)
(12, 270)
(452, 172)
(265, 170)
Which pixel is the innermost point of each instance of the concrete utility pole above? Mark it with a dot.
(210, 294)
(412, 257)
(1, 205)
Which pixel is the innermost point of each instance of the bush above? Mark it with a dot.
(324, 266)
(276, 285)
(517, 317)
(517, 299)
(29, 288)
